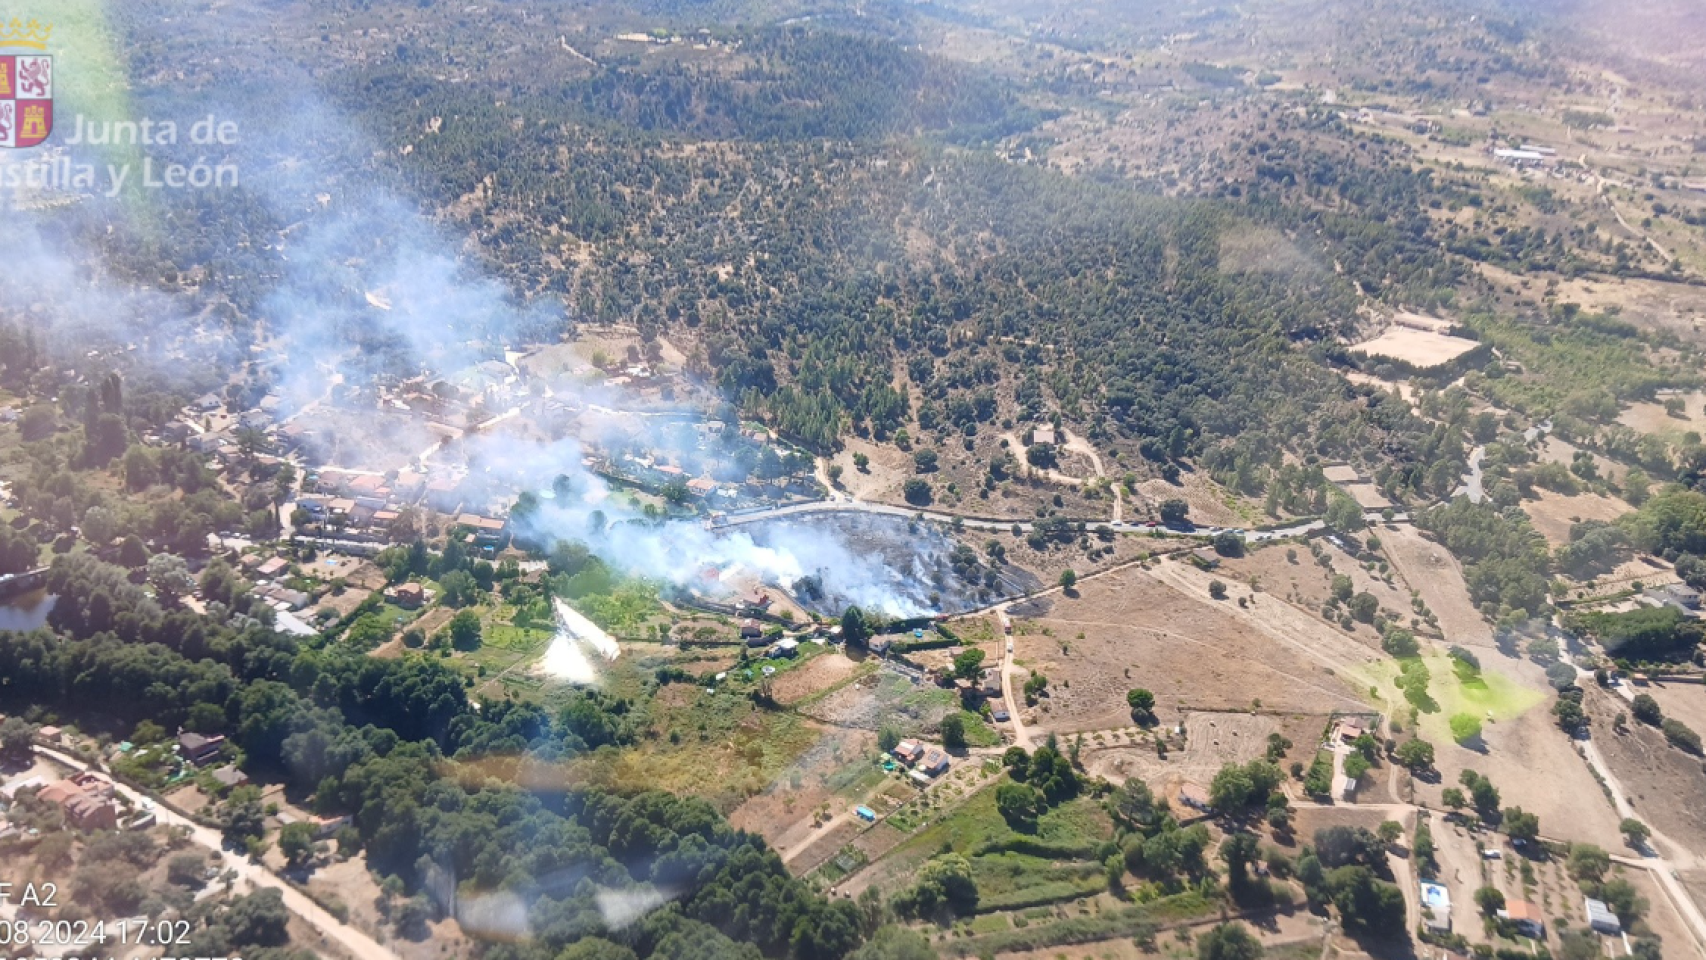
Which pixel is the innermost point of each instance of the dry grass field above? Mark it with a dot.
(1422, 349)
(1159, 629)
(1212, 740)
(1435, 574)
(1649, 417)
(1663, 784)
(1554, 513)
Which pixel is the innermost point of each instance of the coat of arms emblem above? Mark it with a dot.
(26, 84)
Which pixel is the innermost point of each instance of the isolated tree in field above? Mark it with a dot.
(1681, 735)
(1228, 941)
(1416, 755)
(916, 492)
(861, 462)
(1453, 798)
(1465, 727)
(1174, 510)
(1634, 831)
(1646, 709)
(1389, 831)
(1217, 590)
(954, 731)
(1142, 704)
(1034, 687)
(1068, 579)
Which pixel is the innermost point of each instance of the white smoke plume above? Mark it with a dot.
(371, 291)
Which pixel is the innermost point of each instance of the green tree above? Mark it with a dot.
(945, 887)
(1587, 862)
(1465, 727)
(1416, 755)
(1521, 825)
(1490, 899)
(917, 492)
(1228, 544)
(855, 629)
(459, 588)
(465, 630)
(1018, 804)
(1645, 709)
(1634, 831)
(1367, 905)
(187, 869)
(296, 842)
(1068, 579)
(242, 817)
(1174, 511)
(1134, 803)
(1142, 704)
(17, 739)
(1344, 514)
(954, 731)
(1364, 606)
(968, 664)
(1231, 790)
(1228, 941)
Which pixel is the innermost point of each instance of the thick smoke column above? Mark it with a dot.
(370, 291)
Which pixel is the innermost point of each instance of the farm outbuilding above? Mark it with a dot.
(1601, 918)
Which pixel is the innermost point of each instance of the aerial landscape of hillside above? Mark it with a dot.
(805, 479)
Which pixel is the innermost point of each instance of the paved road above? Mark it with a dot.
(840, 505)
(353, 941)
(1471, 486)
